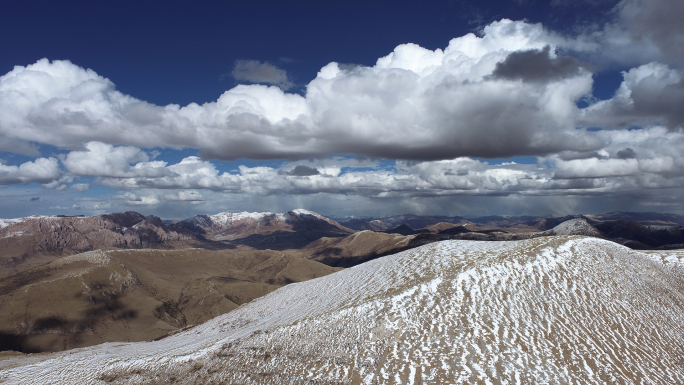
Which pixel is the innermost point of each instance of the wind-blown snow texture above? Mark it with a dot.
(563, 310)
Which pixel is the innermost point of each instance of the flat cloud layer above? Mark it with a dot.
(432, 115)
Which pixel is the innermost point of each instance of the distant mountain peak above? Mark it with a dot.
(576, 226)
(226, 218)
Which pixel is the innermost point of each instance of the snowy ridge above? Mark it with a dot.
(227, 218)
(7, 222)
(299, 212)
(97, 257)
(546, 310)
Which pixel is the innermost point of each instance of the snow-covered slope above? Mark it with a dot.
(562, 310)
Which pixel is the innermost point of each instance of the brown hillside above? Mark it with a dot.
(135, 295)
(356, 248)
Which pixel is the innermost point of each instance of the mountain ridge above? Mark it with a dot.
(527, 222)
(29, 241)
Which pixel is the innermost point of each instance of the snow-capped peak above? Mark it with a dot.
(226, 218)
(307, 212)
(577, 226)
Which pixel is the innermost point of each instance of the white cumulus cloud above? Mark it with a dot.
(41, 170)
(413, 103)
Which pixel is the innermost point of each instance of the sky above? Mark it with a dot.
(353, 108)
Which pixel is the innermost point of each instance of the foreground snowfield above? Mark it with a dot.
(562, 310)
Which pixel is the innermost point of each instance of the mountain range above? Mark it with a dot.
(518, 223)
(552, 309)
(68, 282)
(288, 230)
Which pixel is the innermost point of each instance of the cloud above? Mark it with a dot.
(80, 187)
(185, 196)
(36, 199)
(658, 20)
(649, 93)
(18, 146)
(104, 160)
(41, 170)
(626, 153)
(640, 31)
(596, 168)
(634, 166)
(190, 173)
(254, 71)
(413, 103)
(631, 160)
(646, 158)
(131, 199)
(61, 183)
(300, 170)
(61, 104)
(536, 66)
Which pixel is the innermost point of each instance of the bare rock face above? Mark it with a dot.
(23, 238)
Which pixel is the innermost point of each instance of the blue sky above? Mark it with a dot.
(346, 108)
